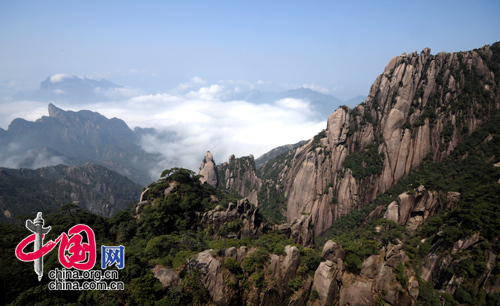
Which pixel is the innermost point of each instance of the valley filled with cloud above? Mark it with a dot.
(190, 119)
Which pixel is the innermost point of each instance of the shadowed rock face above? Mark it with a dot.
(251, 223)
(421, 106)
(92, 187)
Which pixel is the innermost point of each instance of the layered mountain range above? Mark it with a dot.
(322, 104)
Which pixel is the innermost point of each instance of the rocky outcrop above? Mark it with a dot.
(167, 277)
(238, 220)
(212, 277)
(378, 280)
(410, 209)
(421, 106)
(332, 251)
(302, 230)
(208, 170)
(358, 293)
(237, 174)
(328, 276)
(280, 271)
(445, 269)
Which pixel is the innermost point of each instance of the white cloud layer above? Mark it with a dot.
(56, 78)
(201, 120)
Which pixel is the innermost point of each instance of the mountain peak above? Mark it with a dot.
(72, 88)
(54, 111)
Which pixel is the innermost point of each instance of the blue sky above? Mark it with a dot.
(177, 59)
(155, 45)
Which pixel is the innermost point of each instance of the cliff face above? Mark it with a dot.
(239, 174)
(420, 107)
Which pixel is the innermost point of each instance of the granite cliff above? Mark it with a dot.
(419, 109)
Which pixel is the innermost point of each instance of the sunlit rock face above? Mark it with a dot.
(208, 170)
(419, 108)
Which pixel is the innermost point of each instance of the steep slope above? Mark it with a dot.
(420, 107)
(261, 160)
(92, 187)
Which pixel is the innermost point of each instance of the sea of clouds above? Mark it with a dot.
(193, 118)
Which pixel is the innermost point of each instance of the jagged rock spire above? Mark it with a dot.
(208, 170)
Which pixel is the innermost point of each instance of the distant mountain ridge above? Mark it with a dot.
(72, 89)
(76, 138)
(321, 103)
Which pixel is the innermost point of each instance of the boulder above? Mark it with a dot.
(167, 277)
(326, 282)
(370, 266)
(332, 251)
(290, 263)
(358, 293)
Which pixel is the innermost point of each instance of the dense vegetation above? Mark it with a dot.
(365, 162)
(168, 232)
(272, 203)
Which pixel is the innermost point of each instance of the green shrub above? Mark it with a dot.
(463, 296)
(232, 264)
(314, 295)
(295, 284)
(258, 280)
(366, 162)
(400, 275)
(426, 294)
(255, 261)
(310, 260)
